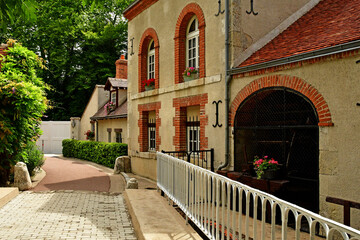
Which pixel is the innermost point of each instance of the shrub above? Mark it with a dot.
(22, 102)
(32, 156)
(98, 152)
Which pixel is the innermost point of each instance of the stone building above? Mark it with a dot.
(277, 78)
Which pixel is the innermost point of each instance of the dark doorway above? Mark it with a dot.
(282, 124)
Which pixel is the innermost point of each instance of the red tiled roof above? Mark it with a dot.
(329, 23)
(120, 111)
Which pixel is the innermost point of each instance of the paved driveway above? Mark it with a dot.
(80, 213)
(69, 174)
(65, 215)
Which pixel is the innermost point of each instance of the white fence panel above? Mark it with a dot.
(53, 134)
(225, 209)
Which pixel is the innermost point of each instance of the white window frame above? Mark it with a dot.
(193, 138)
(113, 97)
(151, 61)
(152, 138)
(192, 36)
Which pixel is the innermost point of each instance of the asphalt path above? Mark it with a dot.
(68, 174)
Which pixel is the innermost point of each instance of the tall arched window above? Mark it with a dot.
(189, 41)
(192, 43)
(148, 59)
(151, 61)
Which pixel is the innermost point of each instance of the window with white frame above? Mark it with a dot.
(152, 133)
(193, 134)
(113, 97)
(192, 43)
(151, 61)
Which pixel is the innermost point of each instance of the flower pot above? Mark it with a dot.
(191, 77)
(148, 88)
(270, 174)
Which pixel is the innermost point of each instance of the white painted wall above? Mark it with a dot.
(53, 134)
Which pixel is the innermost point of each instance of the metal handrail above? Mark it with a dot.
(201, 156)
(222, 207)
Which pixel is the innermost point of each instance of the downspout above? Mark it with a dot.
(227, 87)
(97, 130)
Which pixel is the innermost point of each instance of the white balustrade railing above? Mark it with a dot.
(224, 209)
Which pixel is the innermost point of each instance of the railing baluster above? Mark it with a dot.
(217, 207)
(223, 202)
(263, 217)
(233, 225)
(240, 212)
(255, 199)
(247, 194)
(273, 215)
(228, 211)
(284, 218)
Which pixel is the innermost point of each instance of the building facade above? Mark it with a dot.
(106, 111)
(287, 61)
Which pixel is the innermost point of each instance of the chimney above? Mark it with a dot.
(121, 67)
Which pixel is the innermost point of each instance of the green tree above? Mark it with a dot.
(79, 44)
(22, 104)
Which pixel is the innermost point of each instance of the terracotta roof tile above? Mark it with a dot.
(329, 23)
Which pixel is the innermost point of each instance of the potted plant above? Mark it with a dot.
(90, 135)
(109, 107)
(265, 168)
(190, 73)
(149, 84)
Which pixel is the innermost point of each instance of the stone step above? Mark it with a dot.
(7, 194)
(153, 218)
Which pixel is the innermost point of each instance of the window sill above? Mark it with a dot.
(178, 87)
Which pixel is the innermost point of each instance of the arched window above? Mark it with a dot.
(151, 61)
(189, 41)
(148, 60)
(192, 43)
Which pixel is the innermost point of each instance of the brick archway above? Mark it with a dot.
(180, 36)
(148, 35)
(287, 81)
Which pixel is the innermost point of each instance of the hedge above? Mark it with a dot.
(98, 152)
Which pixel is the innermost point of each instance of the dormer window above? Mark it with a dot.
(192, 43)
(113, 96)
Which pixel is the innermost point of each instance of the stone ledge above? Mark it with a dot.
(7, 194)
(153, 217)
(178, 87)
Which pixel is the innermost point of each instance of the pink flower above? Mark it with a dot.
(188, 73)
(265, 156)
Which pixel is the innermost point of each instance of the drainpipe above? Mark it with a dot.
(97, 130)
(227, 87)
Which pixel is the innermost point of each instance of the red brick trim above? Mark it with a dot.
(180, 40)
(147, 36)
(179, 121)
(138, 8)
(291, 82)
(144, 110)
(299, 64)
